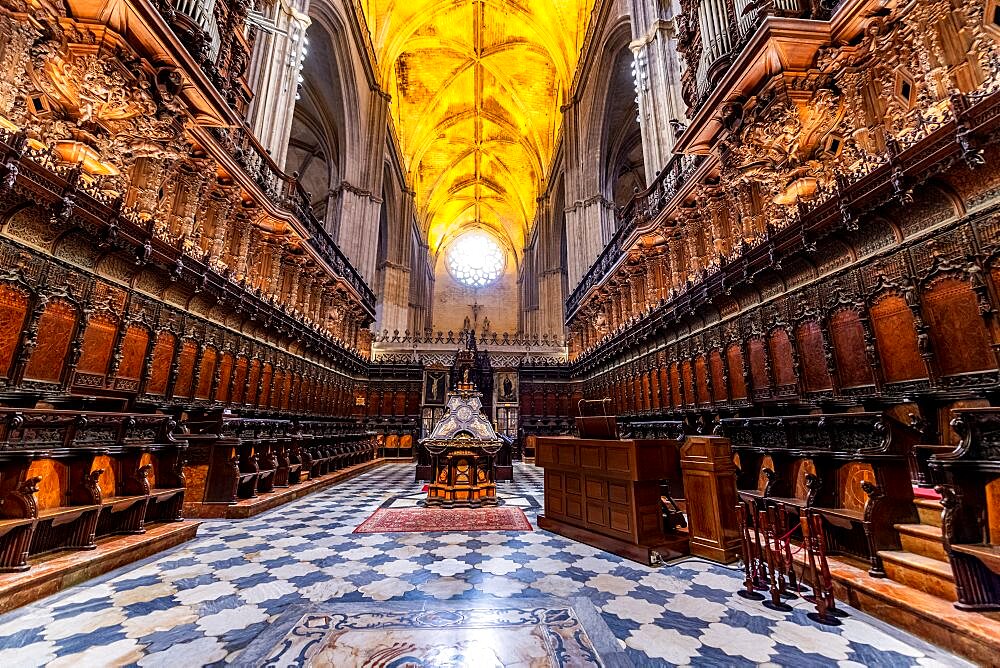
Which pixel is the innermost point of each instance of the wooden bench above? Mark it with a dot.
(222, 463)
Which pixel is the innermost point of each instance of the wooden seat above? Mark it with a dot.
(843, 513)
(69, 476)
(121, 502)
(63, 514)
(971, 484)
(987, 554)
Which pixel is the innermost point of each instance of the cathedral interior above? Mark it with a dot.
(499, 333)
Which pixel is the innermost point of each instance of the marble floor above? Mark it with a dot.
(207, 601)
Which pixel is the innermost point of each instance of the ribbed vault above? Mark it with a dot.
(476, 88)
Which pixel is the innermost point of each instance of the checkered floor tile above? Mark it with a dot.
(205, 601)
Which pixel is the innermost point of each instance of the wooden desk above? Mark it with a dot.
(606, 493)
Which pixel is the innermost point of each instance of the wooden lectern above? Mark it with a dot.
(710, 478)
(606, 492)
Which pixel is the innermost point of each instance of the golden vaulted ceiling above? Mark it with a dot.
(476, 87)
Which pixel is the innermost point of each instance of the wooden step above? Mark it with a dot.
(929, 511)
(920, 572)
(922, 539)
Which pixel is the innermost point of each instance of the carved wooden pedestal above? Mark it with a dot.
(463, 476)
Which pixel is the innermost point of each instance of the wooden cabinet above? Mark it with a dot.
(606, 493)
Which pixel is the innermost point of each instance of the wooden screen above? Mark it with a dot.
(758, 364)
(134, 345)
(717, 369)
(98, 340)
(208, 361)
(961, 342)
(737, 380)
(185, 369)
(701, 380)
(13, 310)
(896, 340)
(815, 374)
(781, 358)
(225, 378)
(688, 378)
(847, 336)
(55, 331)
(163, 355)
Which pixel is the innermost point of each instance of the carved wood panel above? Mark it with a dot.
(225, 378)
(717, 369)
(55, 331)
(781, 358)
(163, 355)
(13, 310)
(896, 339)
(959, 336)
(758, 364)
(252, 383)
(134, 345)
(675, 385)
(849, 478)
(664, 372)
(286, 390)
(847, 336)
(688, 378)
(815, 374)
(265, 385)
(240, 380)
(701, 380)
(737, 379)
(208, 362)
(98, 340)
(185, 369)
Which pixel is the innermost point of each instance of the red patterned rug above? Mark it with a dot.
(389, 520)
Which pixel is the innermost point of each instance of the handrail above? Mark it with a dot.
(286, 191)
(642, 207)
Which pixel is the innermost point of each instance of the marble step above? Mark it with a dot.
(929, 511)
(920, 572)
(922, 539)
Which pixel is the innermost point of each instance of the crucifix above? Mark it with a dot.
(476, 308)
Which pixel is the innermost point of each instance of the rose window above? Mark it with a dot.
(475, 260)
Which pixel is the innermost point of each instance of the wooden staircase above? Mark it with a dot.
(921, 563)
